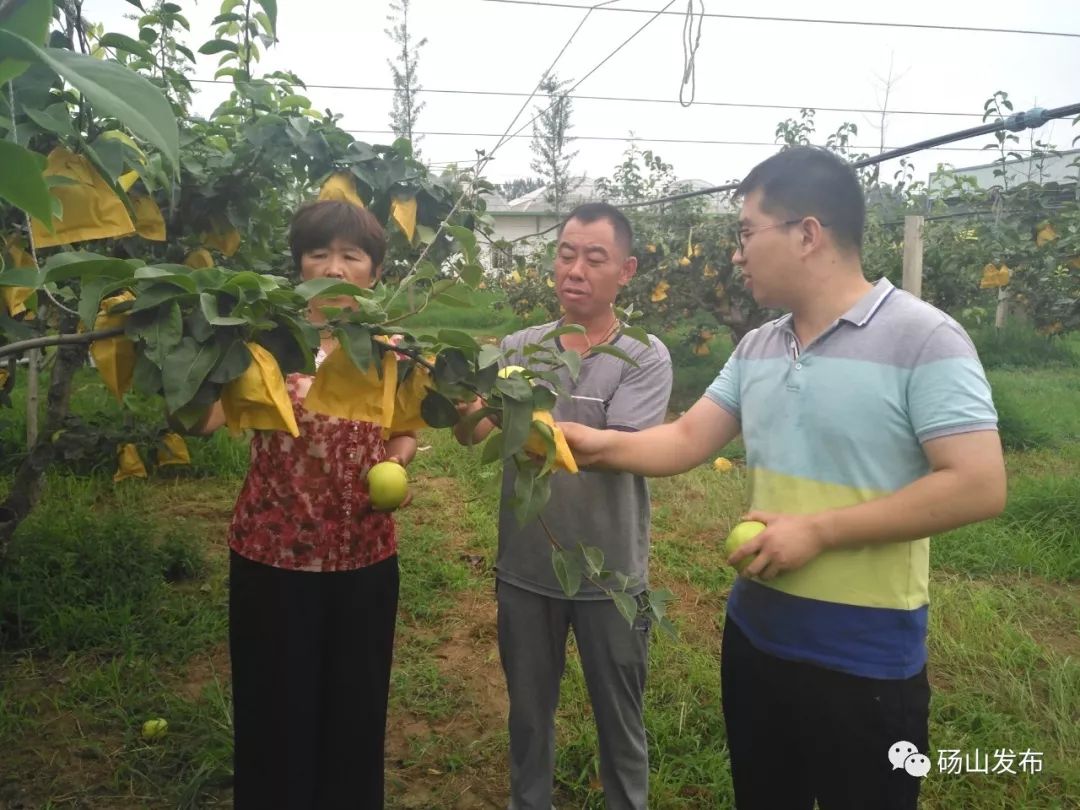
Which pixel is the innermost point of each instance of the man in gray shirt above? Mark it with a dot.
(609, 510)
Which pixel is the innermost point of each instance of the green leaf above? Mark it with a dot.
(572, 360)
(327, 286)
(438, 411)
(569, 329)
(166, 274)
(492, 449)
(594, 560)
(627, 606)
(516, 424)
(289, 344)
(54, 118)
(156, 294)
(454, 297)
(217, 46)
(56, 181)
(125, 43)
(637, 333)
(209, 304)
(21, 181)
(531, 493)
(658, 602)
(295, 100)
(270, 7)
(184, 370)
(543, 398)
(20, 277)
(515, 387)
(92, 292)
(196, 325)
(451, 367)
(164, 334)
(112, 89)
(147, 377)
(249, 280)
(227, 18)
(195, 411)
(30, 19)
(108, 157)
(472, 274)
(459, 340)
(567, 570)
(607, 348)
(356, 340)
(489, 354)
(233, 363)
(466, 239)
(486, 376)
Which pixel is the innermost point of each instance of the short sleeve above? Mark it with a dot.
(948, 392)
(508, 346)
(641, 399)
(724, 390)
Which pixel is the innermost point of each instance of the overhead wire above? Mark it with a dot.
(637, 139)
(547, 73)
(632, 99)
(690, 44)
(596, 67)
(815, 20)
(1016, 122)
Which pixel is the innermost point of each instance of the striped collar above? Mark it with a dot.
(860, 314)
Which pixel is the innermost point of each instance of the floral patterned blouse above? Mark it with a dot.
(304, 505)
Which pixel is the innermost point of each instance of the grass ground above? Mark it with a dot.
(112, 611)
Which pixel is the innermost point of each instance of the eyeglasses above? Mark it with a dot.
(743, 233)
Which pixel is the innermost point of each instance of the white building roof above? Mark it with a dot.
(1051, 168)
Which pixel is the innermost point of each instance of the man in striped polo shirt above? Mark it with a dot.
(868, 426)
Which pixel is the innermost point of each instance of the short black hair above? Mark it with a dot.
(807, 181)
(594, 211)
(317, 224)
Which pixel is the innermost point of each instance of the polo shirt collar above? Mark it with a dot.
(867, 306)
(859, 315)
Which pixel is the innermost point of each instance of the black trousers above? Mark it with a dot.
(311, 655)
(799, 733)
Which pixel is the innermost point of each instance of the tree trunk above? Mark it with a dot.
(33, 385)
(26, 487)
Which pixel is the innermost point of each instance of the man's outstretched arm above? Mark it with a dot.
(663, 450)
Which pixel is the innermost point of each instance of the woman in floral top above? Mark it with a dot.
(313, 576)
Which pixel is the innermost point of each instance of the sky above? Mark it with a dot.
(481, 45)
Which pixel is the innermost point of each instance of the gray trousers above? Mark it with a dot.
(614, 658)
